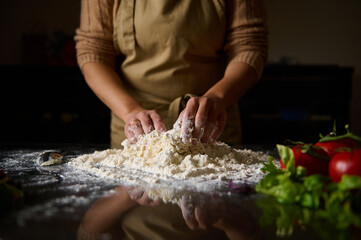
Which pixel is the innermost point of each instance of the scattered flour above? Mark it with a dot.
(162, 159)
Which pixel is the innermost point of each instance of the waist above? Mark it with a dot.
(163, 84)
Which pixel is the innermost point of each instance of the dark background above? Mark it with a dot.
(313, 76)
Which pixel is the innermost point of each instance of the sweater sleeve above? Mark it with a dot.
(94, 37)
(247, 34)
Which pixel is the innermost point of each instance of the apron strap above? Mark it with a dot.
(177, 106)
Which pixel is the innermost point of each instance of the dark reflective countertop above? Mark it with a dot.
(60, 203)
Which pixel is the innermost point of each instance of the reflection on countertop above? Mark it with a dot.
(60, 203)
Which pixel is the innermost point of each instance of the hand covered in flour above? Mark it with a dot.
(142, 121)
(141, 197)
(203, 119)
(200, 212)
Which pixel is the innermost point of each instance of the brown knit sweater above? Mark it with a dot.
(245, 41)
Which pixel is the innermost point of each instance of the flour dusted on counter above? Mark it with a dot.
(162, 157)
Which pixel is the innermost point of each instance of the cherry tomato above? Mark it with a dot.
(336, 146)
(348, 162)
(315, 160)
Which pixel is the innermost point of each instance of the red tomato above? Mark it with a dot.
(345, 163)
(282, 165)
(313, 164)
(336, 146)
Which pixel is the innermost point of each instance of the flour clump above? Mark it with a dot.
(163, 158)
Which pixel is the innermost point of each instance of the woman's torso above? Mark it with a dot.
(170, 47)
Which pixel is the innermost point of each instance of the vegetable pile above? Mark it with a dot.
(325, 176)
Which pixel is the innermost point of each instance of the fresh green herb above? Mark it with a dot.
(338, 203)
(288, 218)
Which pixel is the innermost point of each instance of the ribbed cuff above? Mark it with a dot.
(253, 59)
(84, 235)
(85, 58)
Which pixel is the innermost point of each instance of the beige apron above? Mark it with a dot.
(162, 222)
(172, 50)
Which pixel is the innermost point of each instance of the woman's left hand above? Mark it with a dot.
(203, 119)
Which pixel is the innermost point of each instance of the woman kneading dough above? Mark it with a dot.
(155, 62)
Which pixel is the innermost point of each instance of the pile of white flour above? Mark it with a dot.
(161, 158)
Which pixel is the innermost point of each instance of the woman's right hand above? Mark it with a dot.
(141, 121)
(139, 195)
